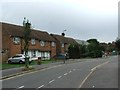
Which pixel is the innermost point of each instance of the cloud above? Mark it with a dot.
(95, 19)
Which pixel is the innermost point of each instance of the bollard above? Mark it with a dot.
(39, 60)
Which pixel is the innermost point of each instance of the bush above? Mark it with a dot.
(74, 51)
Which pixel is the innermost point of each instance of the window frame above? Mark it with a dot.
(53, 44)
(33, 41)
(62, 45)
(16, 40)
(42, 43)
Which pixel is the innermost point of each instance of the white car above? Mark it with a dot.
(18, 58)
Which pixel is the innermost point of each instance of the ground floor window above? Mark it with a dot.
(45, 55)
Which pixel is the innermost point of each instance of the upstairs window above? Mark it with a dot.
(42, 43)
(53, 44)
(16, 40)
(33, 41)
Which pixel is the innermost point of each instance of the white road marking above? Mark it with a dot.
(59, 76)
(92, 70)
(21, 87)
(51, 81)
(65, 73)
(41, 86)
(69, 71)
(74, 69)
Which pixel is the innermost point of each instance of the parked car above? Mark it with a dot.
(18, 58)
(61, 56)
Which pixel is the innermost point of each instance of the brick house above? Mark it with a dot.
(41, 44)
(62, 43)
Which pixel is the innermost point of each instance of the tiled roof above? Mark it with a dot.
(63, 39)
(15, 30)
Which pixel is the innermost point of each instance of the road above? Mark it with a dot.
(92, 73)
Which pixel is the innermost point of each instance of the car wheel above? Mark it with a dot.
(21, 62)
(9, 62)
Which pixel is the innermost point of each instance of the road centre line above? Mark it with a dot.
(19, 87)
(69, 71)
(59, 76)
(74, 69)
(65, 73)
(51, 81)
(41, 86)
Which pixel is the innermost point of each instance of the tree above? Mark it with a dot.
(26, 33)
(83, 51)
(94, 48)
(74, 51)
(117, 44)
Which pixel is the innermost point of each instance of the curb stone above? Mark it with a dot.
(23, 72)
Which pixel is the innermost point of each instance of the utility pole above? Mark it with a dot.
(63, 34)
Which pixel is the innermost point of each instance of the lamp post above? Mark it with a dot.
(63, 34)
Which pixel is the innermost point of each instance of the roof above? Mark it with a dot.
(12, 30)
(71, 40)
(16, 30)
(63, 39)
(82, 42)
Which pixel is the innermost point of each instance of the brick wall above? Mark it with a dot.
(12, 48)
(53, 51)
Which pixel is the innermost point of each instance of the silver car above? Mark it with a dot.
(18, 58)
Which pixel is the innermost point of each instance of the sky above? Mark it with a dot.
(82, 19)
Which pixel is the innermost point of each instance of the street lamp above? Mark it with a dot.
(63, 34)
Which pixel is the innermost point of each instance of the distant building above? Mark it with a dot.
(81, 42)
(62, 43)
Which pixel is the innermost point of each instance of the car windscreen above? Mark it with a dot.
(16, 56)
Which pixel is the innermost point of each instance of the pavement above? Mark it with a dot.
(17, 71)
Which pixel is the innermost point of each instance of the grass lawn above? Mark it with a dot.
(7, 66)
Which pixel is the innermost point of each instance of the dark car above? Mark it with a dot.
(61, 56)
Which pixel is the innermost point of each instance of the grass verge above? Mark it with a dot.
(15, 65)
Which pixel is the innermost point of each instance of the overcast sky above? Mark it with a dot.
(83, 19)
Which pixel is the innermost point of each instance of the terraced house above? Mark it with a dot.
(41, 44)
(62, 43)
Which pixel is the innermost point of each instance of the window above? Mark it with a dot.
(33, 53)
(62, 44)
(16, 40)
(33, 41)
(42, 43)
(53, 44)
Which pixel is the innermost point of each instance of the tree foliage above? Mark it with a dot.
(117, 43)
(74, 51)
(26, 33)
(94, 48)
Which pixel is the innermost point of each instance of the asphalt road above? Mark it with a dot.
(72, 75)
(105, 76)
